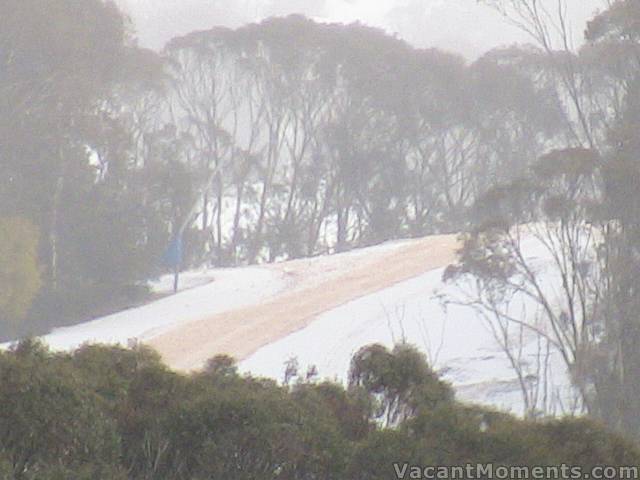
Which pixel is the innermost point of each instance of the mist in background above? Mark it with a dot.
(462, 26)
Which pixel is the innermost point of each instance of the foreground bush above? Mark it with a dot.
(111, 413)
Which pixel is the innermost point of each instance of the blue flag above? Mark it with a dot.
(173, 255)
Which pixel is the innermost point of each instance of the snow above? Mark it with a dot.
(204, 293)
(219, 291)
(188, 281)
(456, 341)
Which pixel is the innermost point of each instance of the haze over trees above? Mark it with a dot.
(264, 147)
(291, 138)
(64, 155)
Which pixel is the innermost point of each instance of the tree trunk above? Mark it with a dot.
(53, 233)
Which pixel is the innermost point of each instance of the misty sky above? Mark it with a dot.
(462, 26)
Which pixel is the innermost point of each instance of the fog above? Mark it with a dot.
(203, 179)
(463, 26)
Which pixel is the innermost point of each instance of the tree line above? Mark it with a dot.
(110, 413)
(277, 140)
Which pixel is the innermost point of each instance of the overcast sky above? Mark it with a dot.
(462, 26)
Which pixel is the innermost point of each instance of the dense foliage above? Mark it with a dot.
(19, 272)
(65, 69)
(111, 413)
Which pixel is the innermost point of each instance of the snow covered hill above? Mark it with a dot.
(457, 343)
(320, 311)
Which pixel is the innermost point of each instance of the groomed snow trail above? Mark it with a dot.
(320, 311)
(457, 342)
(316, 286)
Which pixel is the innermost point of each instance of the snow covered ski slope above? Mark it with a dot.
(320, 311)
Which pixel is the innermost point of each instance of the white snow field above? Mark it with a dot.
(205, 292)
(458, 343)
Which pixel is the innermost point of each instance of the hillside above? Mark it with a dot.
(320, 311)
(314, 287)
(197, 318)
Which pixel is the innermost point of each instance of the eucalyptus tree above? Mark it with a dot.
(64, 152)
(436, 104)
(548, 25)
(51, 85)
(200, 106)
(581, 206)
(301, 88)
